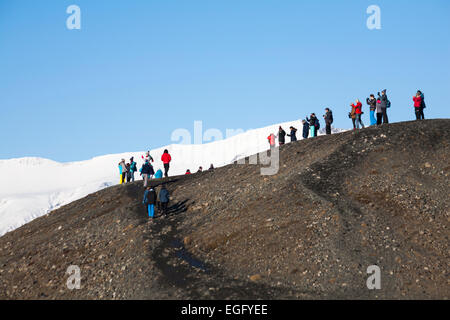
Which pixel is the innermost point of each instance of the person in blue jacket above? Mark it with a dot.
(164, 198)
(150, 200)
(133, 168)
(293, 134)
(158, 174)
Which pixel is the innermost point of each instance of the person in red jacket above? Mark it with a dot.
(358, 113)
(418, 106)
(166, 158)
(271, 139)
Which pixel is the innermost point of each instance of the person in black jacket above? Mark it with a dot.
(384, 105)
(328, 116)
(146, 170)
(281, 136)
(372, 102)
(293, 134)
(150, 200)
(305, 129)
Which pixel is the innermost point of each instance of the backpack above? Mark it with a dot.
(388, 103)
(133, 166)
(317, 124)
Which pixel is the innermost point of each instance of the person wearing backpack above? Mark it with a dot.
(150, 201)
(133, 168)
(166, 158)
(145, 172)
(305, 129)
(164, 199)
(385, 103)
(358, 113)
(293, 134)
(328, 116)
(419, 105)
(314, 125)
(372, 102)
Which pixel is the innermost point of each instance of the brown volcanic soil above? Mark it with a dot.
(339, 203)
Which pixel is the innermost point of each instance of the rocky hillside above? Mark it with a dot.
(340, 203)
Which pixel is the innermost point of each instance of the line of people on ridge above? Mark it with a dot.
(378, 115)
(147, 172)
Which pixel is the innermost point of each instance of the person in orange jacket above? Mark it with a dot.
(166, 158)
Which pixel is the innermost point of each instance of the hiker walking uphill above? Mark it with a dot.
(123, 166)
(164, 199)
(358, 114)
(372, 102)
(305, 133)
(281, 136)
(419, 105)
(147, 172)
(133, 168)
(150, 201)
(384, 104)
(328, 116)
(166, 158)
(293, 134)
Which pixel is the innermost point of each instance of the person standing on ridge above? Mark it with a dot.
(166, 158)
(188, 171)
(358, 113)
(128, 172)
(124, 170)
(133, 168)
(211, 167)
(314, 125)
(305, 129)
(120, 173)
(328, 116)
(352, 115)
(293, 134)
(271, 139)
(164, 199)
(200, 169)
(372, 102)
(281, 136)
(385, 103)
(418, 106)
(150, 201)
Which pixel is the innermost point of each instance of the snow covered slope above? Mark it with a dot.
(32, 187)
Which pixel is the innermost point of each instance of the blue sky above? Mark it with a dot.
(137, 70)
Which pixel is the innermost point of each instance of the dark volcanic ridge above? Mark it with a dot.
(339, 203)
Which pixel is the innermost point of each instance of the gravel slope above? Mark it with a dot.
(338, 204)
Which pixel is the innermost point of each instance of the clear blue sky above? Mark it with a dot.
(137, 70)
